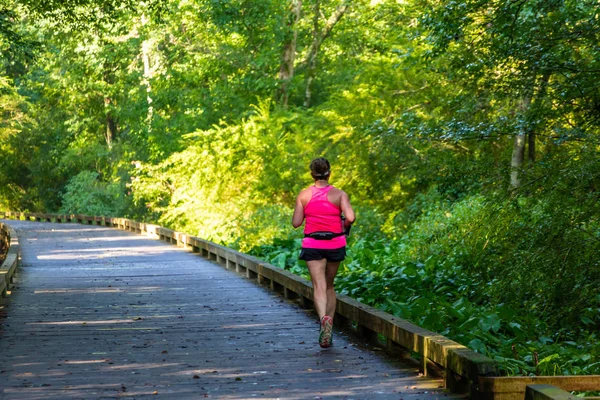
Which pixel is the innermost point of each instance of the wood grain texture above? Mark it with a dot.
(547, 392)
(514, 387)
(102, 313)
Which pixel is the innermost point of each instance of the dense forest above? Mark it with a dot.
(467, 133)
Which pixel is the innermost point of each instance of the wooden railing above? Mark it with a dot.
(464, 370)
(547, 392)
(9, 238)
(513, 387)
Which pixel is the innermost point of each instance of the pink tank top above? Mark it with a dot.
(322, 215)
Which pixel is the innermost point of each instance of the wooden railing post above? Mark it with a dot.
(547, 392)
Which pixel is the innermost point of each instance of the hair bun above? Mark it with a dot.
(320, 168)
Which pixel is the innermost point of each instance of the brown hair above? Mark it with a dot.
(320, 169)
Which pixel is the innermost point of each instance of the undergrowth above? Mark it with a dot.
(493, 274)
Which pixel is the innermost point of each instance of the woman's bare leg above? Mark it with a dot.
(331, 270)
(317, 269)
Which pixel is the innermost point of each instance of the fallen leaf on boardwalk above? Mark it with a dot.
(238, 379)
(196, 377)
(164, 352)
(301, 343)
(137, 318)
(155, 392)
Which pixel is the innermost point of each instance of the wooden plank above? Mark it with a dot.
(547, 392)
(512, 384)
(513, 387)
(10, 264)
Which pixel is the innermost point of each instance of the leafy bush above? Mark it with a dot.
(86, 194)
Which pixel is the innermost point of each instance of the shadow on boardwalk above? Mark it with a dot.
(102, 313)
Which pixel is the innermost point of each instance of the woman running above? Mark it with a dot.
(324, 243)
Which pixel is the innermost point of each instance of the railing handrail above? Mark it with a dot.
(547, 392)
(7, 270)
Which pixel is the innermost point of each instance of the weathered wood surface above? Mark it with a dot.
(547, 392)
(98, 312)
(8, 260)
(463, 368)
(514, 387)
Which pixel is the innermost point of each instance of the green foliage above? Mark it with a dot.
(283, 253)
(230, 175)
(86, 194)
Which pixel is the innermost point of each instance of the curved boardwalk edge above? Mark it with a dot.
(464, 370)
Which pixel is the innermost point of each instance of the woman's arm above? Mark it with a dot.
(347, 209)
(298, 217)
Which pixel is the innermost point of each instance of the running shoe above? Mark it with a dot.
(326, 332)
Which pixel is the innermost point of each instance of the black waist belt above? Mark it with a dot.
(323, 235)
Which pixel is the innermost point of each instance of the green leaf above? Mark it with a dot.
(544, 340)
(490, 322)
(478, 346)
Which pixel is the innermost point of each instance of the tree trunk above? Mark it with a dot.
(110, 133)
(517, 160)
(531, 146)
(286, 72)
(148, 74)
(528, 107)
(536, 106)
(311, 59)
(518, 153)
(318, 37)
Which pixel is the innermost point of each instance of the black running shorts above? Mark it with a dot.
(332, 255)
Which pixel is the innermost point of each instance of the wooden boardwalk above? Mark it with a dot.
(102, 313)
